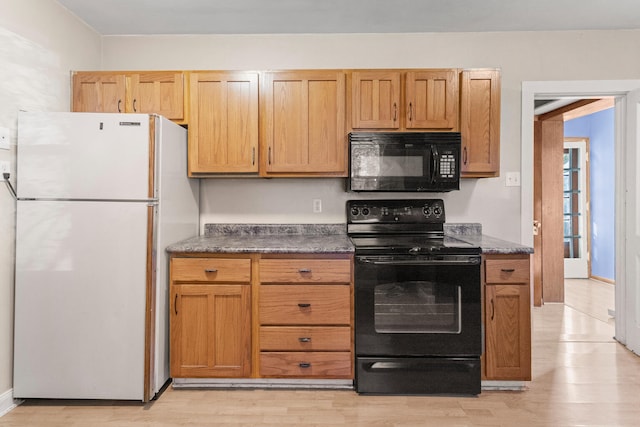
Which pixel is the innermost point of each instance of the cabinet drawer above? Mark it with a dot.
(305, 305)
(211, 270)
(310, 364)
(282, 338)
(305, 271)
(507, 270)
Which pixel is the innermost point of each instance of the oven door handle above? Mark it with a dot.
(431, 262)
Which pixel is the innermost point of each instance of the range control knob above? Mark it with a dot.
(355, 211)
(437, 211)
(426, 211)
(365, 211)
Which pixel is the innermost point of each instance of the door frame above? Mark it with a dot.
(581, 89)
(582, 143)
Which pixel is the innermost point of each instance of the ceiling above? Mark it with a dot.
(138, 17)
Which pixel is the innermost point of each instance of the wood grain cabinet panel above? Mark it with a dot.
(507, 318)
(211, 270)
(210, 317)
(305, 338)
(305, 271)
(159, 92)
(375, 99)
(303, 123)
(223, 123)
(305, 364)
(304, 317)
(432, 100)
(304, 305)
(210, 331)
(480, 122)
(149, 92)
(97, 92)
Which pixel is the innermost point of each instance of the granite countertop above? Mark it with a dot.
(472, 234)
(268, 238)
(315, 238)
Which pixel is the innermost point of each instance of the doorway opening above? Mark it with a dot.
(627, 116)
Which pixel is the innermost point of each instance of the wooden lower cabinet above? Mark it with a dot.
(304, 315)
(210, 317)
(261, 316)
(507, 312)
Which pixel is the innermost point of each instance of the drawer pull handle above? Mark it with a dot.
(508, 270)
(304, 270)
(304, 339)
(304, 305)
(210, 270)
(304, 365)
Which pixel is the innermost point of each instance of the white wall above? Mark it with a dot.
(525, 56)
(40, 42)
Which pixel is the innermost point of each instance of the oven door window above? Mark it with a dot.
(417, 307)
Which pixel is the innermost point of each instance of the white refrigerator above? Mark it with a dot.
(100, 196)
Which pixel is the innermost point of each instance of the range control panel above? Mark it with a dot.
(416, 211)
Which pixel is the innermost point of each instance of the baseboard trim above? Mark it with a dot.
(262, 383)
(7, 402)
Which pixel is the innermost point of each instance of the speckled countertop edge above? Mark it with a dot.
(315, 238)
(268, 238)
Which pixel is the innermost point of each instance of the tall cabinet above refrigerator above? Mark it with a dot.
(100, 196)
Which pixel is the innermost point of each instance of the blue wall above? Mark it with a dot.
(599, 128)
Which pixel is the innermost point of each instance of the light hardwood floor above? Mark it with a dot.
(581, 376)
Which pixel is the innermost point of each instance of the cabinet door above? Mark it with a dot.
(508, 336)
(375, 100)
(223, 123)
(304, 123)
(432, 100)
(480, 123)
(210, 331)
(99, 92)
(159, 92)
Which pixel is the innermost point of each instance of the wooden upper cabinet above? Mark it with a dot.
(480, 123)
(303, 123)
(432, 100)
(375, 99)
(157, 92)
(99, 92)
(223, 122)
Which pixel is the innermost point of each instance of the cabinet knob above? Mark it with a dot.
(304, 365)
(304, 270)
(210, 270)
(304, 339)
(304, 305)
(508, 270)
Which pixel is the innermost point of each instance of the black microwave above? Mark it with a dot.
(404, 161)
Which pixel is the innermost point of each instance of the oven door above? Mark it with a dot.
(418, 306)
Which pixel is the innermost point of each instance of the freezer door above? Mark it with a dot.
(80, 300)
(83, 156)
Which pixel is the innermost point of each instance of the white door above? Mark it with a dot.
(575, 209)
(632, 215)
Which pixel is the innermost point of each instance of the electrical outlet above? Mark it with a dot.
(513, 179)
(5, 167)
(317, 205)
(4, 138)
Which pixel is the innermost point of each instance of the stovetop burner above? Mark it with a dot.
(413, 226)
(415, 245)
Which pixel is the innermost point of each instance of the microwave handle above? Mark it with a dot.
(434, 162)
